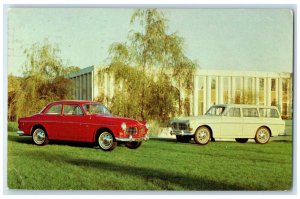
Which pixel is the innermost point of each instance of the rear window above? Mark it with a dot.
(268, 112)
(250, 112)
(54, 110)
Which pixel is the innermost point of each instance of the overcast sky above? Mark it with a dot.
(238, 39)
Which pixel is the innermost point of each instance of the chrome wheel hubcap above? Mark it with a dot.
(105, 140)
(39, 136)
(203, 136)
(263, 136)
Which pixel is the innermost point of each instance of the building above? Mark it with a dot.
(210, 87)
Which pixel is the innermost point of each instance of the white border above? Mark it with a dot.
(136, 3)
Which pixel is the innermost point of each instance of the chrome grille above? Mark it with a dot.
(131, 130)
(180, 126)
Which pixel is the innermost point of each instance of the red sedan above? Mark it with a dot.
(83, 121)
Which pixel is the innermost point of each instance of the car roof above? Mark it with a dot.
(245, 105)
(74, 102)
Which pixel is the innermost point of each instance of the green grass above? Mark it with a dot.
(156, 165)
(12, 126)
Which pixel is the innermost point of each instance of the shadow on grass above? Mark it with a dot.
(20, 139)
(28, 140)
(164, 139)
(162, 179)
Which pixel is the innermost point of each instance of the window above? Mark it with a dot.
(95, 109)
(213, 90)
(72, 109)
(268, 112)
(225, 89)
(250, 112)
(238, 90)
(54, 110)
(234, 112)
(273, 92)
(215, 110)
(261, 93)
(201, 95)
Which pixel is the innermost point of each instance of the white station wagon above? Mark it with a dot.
(226, 121)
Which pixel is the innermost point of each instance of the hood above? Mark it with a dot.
(189, 118)
(115, 119)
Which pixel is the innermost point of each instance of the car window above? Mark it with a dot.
(250, 112)
(234, 112)
(95, 109)
(268, 112)
(54, 110)
(215, 110)
(72, 109)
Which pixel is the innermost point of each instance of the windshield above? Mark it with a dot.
(215, 110)
(95, 109)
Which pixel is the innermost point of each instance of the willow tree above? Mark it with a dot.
(43, 79)
(154, 47)
(158, 56)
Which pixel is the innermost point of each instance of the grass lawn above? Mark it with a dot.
(156, 165)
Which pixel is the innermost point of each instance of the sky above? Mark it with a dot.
(226, 39)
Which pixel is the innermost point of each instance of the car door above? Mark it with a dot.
(251, 122)
(232, 123)
(52, 120)
(72, 119)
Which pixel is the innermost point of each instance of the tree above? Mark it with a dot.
(71, 69)
(14, 85)
(154, 47)
(148, 62)
(43, 80)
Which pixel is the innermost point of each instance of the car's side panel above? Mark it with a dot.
(251, 124)
(89, 130)
(276, 125)
(231, 127)
(72, 125)
(52, 124)
(25, 127)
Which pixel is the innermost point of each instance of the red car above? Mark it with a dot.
(83, 121)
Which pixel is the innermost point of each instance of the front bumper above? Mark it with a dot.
(131, 139)
(20, 133)
(181, 132)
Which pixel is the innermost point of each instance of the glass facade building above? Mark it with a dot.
(242, 87)
(210, 87)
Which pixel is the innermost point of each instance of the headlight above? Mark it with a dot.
(147, 125)
(123, 126)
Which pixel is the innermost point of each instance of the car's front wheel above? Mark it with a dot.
(106, 141)
(133, 145)
(39, 137)
(202, 135)
(241, 140)
(262, 135)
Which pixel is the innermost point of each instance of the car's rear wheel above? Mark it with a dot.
(133, 145)
(241, 140)
(106, 141)
(202, 135)
(181, 138)
(262, 135)
(39, 137)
